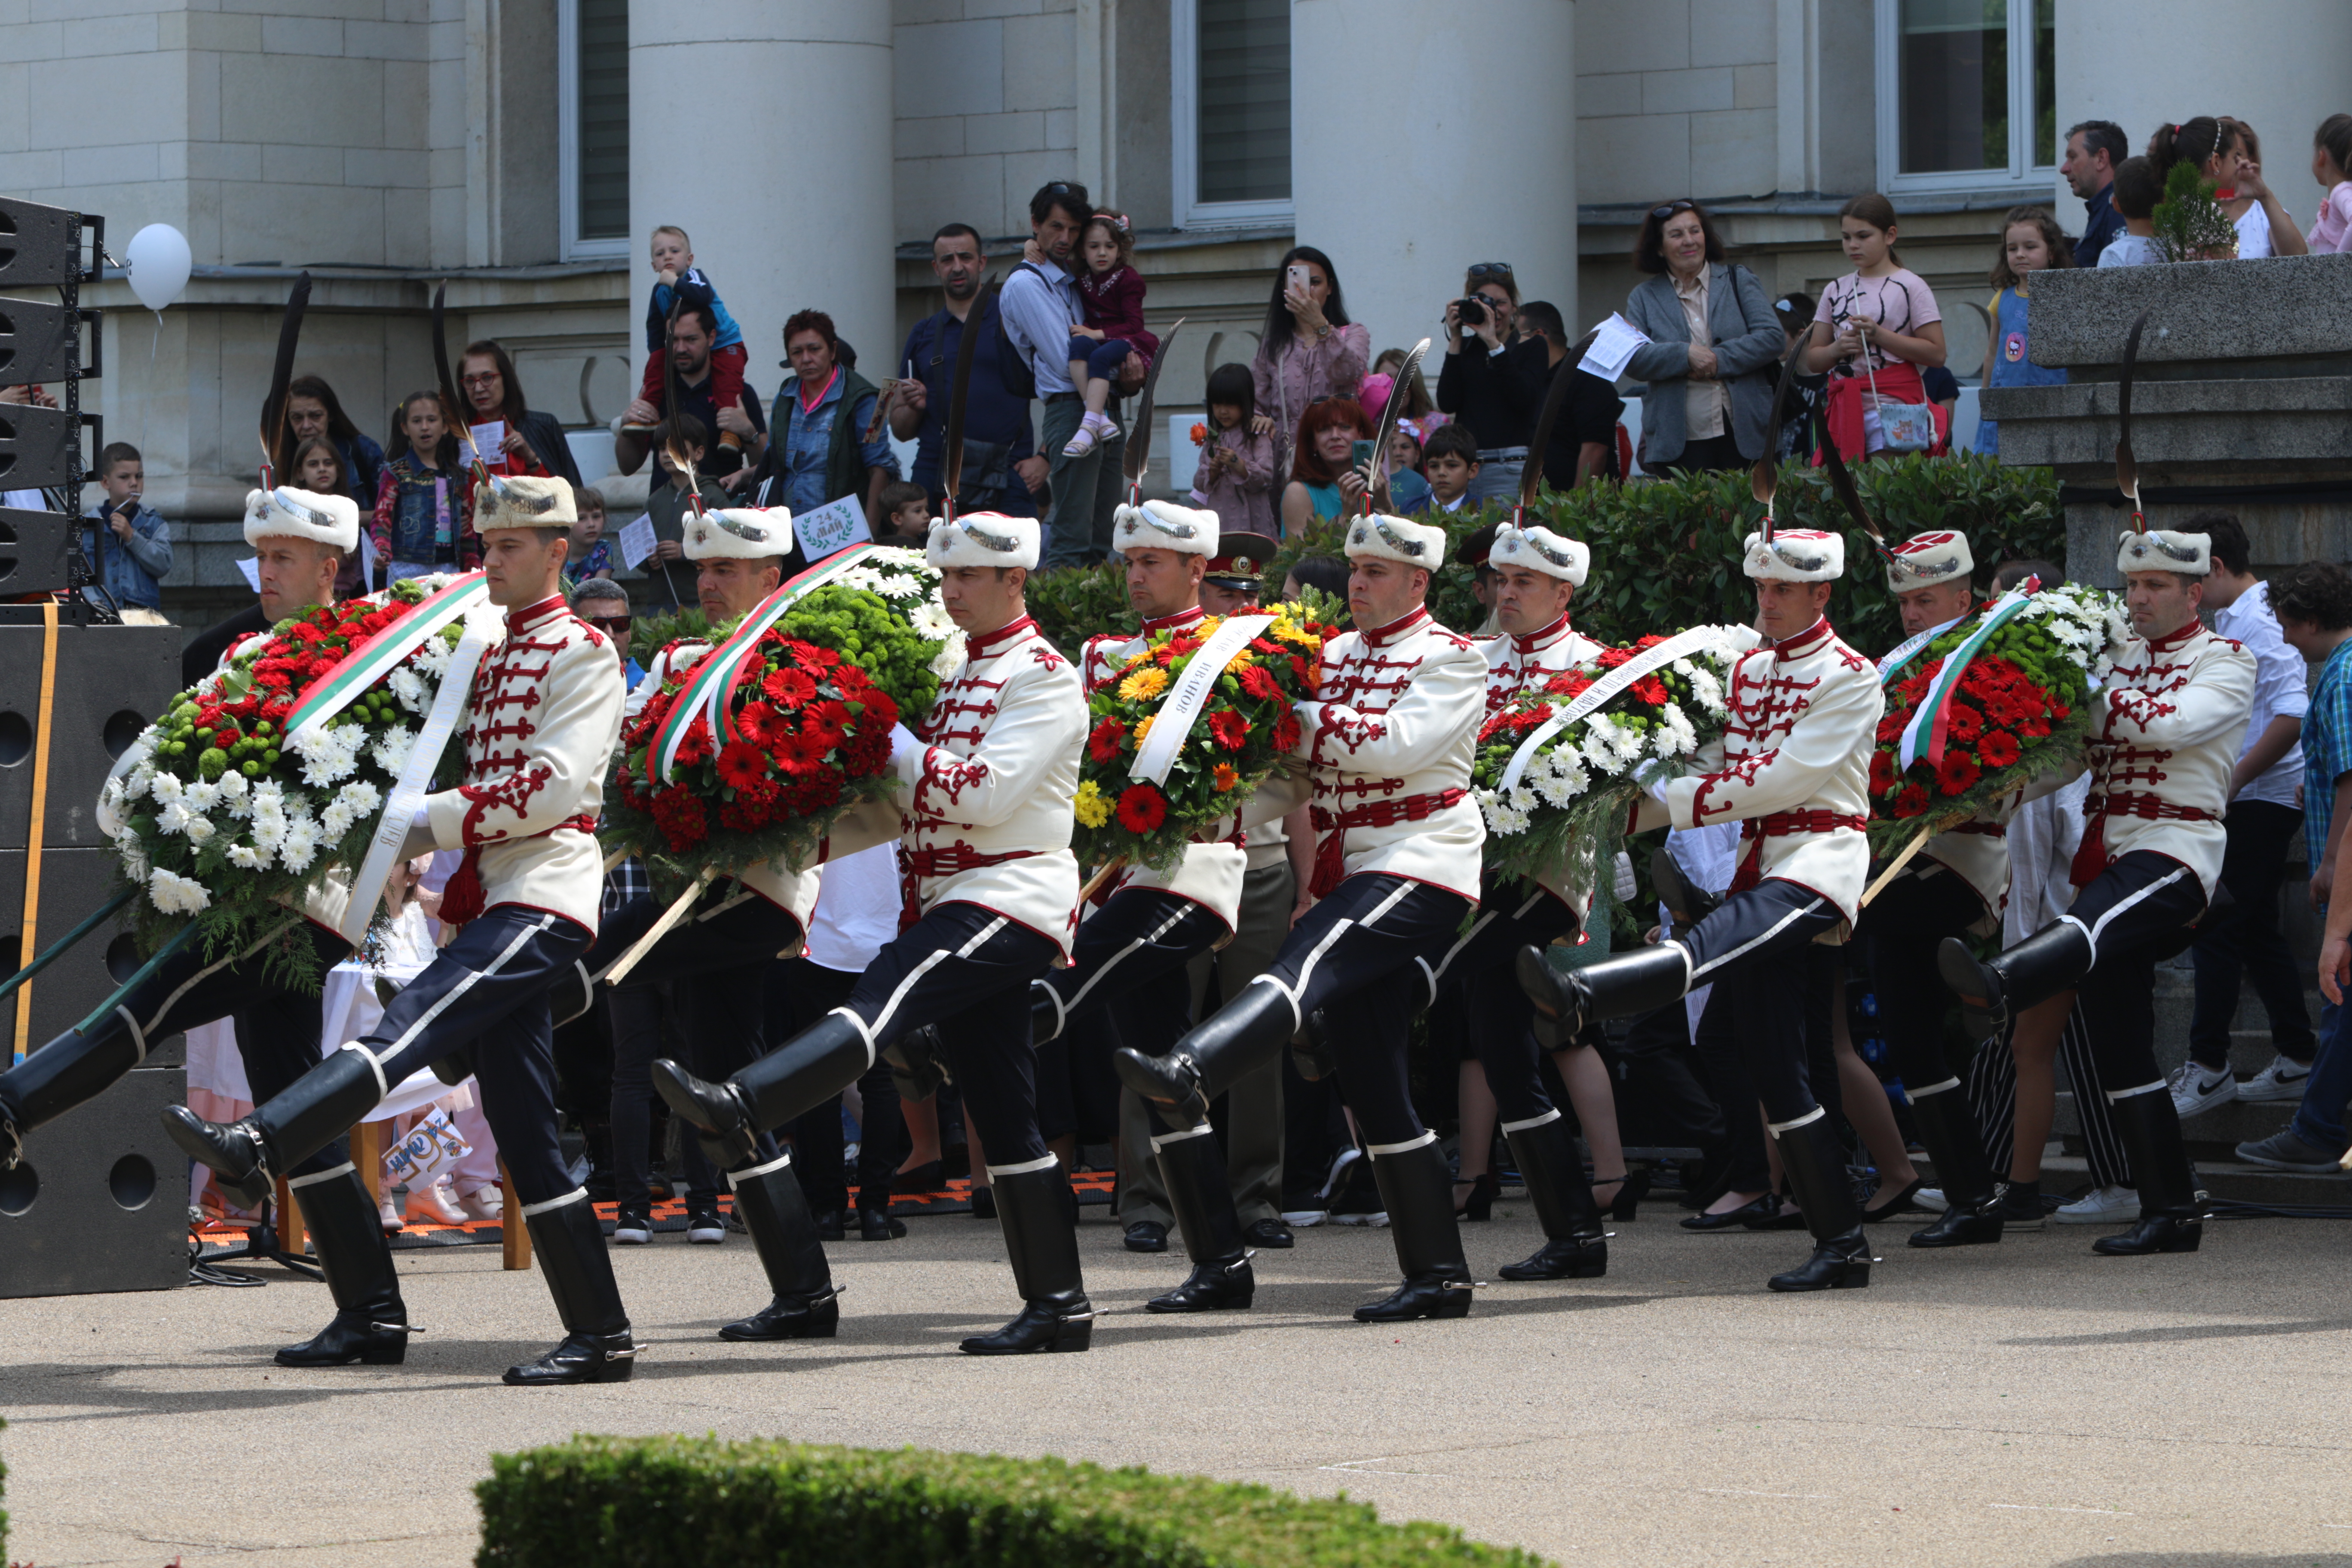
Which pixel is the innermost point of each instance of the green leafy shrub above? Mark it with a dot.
(678, 1502)
(2189, 222)
(1074, 603)
(650, 633)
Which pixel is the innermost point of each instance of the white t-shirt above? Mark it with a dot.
(2130, 250)
(857, 906)
(2279, 690)
(2254, 232)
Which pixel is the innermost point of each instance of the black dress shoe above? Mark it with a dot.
(1211, 1287)
(930, 1177)
(1959, 1225)
(1631, 1191)
(581, 1358)
(1147, 1236)
(2159, 1233)
(1841, 1263)
(877, 1224)
(786, 1318)
(1905, 1202)
(351, 1337)
(983, 1202)
(1765, 1208)
(1479, 1204)
(1054, 1324)
(1430, 1296)
(1269, 1233)
(1571, 1257)
(828, 1224)
(1782, 1217)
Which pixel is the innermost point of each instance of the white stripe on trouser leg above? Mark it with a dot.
(778, 1163)
(1751, 944)
(1023, 1168)
(1545, 1120)
(931, 960)
(1815, 1114)
(1161, 1139)
(1382, 1151)
(1061, 1013)
(1438, 974)
(1923, 1091)
(533, 1211)
(1522, 912)
(1121, 956)
(1315, 954)
(2095, 931)
(192, 980)
(2122, 1094)
(442, 1002)
(864, 1034)
(297, 1183)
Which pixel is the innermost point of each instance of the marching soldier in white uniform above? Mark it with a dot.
(2166, 728)
(1792, 769)
(1388, 741)
(301, 539)
(544, 711)
(989, 775)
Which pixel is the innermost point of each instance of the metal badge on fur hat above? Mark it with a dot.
(2162, 550)
(289, 513)
(982, 538)
(741, 533)
(1927, 559)
(1397, 539)
(1163, 525)
(1540, 549)
(1795, 555)
(524, 500)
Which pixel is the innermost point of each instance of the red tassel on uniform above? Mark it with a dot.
(461, 896)
(2092, 857)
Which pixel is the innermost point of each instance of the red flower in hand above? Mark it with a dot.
(1102, 743)
(742, 764)
(1997, 748)
(1230, 728)
(1141, 808)
(1959, 772)
(790, 687)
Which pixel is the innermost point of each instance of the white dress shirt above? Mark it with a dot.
(2280, 689)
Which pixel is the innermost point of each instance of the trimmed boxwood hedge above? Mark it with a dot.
(680, 1503)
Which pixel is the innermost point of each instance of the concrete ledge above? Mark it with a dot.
(2282, 305)
(2270, 423)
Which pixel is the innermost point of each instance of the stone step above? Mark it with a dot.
(2226, 1180)
(2217, 1131)
(2250, 1037)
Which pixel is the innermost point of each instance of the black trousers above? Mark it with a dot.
(1753, 951)
(800, 991)
(1900, 934)
(488, 990)
(714, 964)
(1661, 1098)
(1364, 956)
(2137, 911)
(966, 969)
(2243, 939)
(1500, 1020)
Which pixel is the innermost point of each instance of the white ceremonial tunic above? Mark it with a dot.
(1210, 872)
(989, 793)
(1793, 767)
(540, 722)
(1389, 738)
(2164, 736)
(1515, 663)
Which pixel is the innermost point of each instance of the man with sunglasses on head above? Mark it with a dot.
(1493, 383)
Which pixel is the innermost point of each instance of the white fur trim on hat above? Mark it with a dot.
(1397, 539)
(1930, 560)
(982, 538)
(1164, 525)
(1539, 549)
(2163, 549)
(739, 533)
(289, 513)
(524, 500)
(1796, 555)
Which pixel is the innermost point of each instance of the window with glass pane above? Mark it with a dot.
(2043, 153)
(1244, 99)
(603, 98)
(1952, 67)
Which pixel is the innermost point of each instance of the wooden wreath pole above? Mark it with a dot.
(1897, 864)
(1110, 869)
(670, 916)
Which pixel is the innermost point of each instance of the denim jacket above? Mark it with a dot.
(132, 570)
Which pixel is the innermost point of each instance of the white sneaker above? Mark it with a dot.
(2100, 1206)
(2283, 1080)
(2194, 1090)
(1932, 1199)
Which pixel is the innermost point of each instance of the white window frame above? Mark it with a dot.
(1183, 127)
(2022, 173)
(567, 141)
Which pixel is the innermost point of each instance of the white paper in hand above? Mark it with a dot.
(251, 567)
(636, 540)
(1612, 348)
(487, 438)
(834, 526)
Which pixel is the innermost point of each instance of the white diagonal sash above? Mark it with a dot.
(1682, 644)
(1182, 708)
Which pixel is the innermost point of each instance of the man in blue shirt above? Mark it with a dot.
(2313, 606)
(1002, 469)
(2093, 149)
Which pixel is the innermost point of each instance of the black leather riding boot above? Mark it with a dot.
(1574, 1245)
(67, 1071)
(2052, 960)
(807, 1304)
(1815, 1162)
(569, 1246)
(1193, 1165)
(322, 1106)
(1615, 987)
(2169, 1219)
(1034, 1208)
(804, 1071)
(1947, 1126)
(1241, 1036)
(371, 1323)
(1418, 1192)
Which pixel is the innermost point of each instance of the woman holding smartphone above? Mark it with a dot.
(1309, 348)
(1325, 482)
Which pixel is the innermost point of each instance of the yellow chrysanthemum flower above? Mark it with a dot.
(1291, 633)
(1144, 684)
(1208, 626)
(1092, 809)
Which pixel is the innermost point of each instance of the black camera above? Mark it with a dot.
(1472, 308)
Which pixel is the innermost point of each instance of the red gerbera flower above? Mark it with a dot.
(1141, 808)
(790, 687)
(1230, 728)
(1959, 772)
(802, 753)
(742, 764)
(695, 746)
(1999, 750)
(1568, 683)
(1912, 801)
(813, 657)
(2033, 728)
(1890, 728)
(1611, 657)
(1259, 684)
(1286, 731)
(1963, 723)
(1102, 745)
(757, 722)
(1651, 691)
(1882, 772)
(881, 709)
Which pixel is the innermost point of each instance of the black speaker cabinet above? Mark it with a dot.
(74, 883)
(111, 682)
(99, 1200)
(36, 446)
(33, 549)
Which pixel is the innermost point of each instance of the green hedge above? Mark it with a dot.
(678, 1502)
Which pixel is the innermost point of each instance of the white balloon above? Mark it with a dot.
(158, 262)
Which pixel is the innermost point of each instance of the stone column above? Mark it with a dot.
(1424, 137)
(762, 128)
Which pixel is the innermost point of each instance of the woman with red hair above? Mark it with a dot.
(1323, 483)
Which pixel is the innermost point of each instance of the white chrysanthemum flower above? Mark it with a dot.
(173, 819)
(950, 655)
(165, 787)
(199, 829)
(432, 659)
(337, 818)
(902, 585)
(408, 689)
(269, 828)
(391, 753)
(300, 844)
(1709, 691)
(135, 783)
(246, 858)
(176, 894)
(1678, 736)
(931, 620)
(329, 755)
(1684, 667)
(134, 859)
(362, 797)
(200, 796)
(268, 794)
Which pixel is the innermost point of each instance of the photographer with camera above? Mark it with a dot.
(1493, 384)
